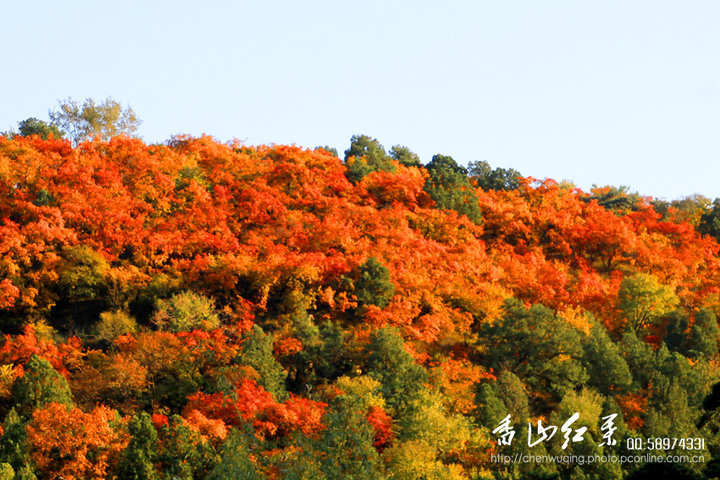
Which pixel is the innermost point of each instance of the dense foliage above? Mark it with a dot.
(207, 310)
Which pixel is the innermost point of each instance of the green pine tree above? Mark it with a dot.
(139, 456)
(40, 385)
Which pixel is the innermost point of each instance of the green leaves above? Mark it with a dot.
(186, 311)
(389, 363)
(642, 299)
(366, 155)
(258, 353)
(235, 460)
(540, 348)
(710, 221)
(374, 285)
(450, 188)
(40, 385)
(82, 275)
(488, 178)
(87, 120)
(138, 458)
(33, 126)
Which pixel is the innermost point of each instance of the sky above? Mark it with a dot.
(606, 93)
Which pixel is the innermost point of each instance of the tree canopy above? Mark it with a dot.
(199, 309)
(82, 121)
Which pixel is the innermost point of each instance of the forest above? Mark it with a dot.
(205, 310)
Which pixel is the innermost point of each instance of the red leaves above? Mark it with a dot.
(8, 293)
(633, 406)
(159, 420)
(402, 188)
(381, 424)
(19, 348)
(72, 444)
(287, 346)
(251, 403)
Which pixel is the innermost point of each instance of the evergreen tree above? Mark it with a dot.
(374, 285)
(488, 178)
(13, 442)
(640, 359)
(40, 385)
(704, 334)
(364, 156)
(257, 352)
(389, 363)
(345, 448)
(33, 126)
(139, 456)
(676, 331)
(331, 150)
(710, 221)
(450, 188)
(184, 455)
(490, 409)
(323, 358)
(540, 348)
(607, 370)
(405, 156)
(234, 460)
(504, 396)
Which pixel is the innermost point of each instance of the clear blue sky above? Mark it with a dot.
(611, 92)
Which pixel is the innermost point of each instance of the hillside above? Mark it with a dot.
(213, 310)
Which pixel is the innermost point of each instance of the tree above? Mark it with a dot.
(710, 221)
(617, 199)
(186, 311)
(235, 460)
(642, 300)
(138, 458)
(488, 178)
(639, 357)
(698, 339)
(7, 472)
(13, 441)
(704, 335)
(87, 120)
(82, 273)
(324, 355)
(689, 209)
(366, 155)
(114, 323)
(608, 371)
(450, 188)
(346, 445)
(68, 443)
(405, 156)
(505, 396)
(331, 150)
(416, 459)
(183, 454)
(33, 126)
(537, 346)
(40, 385)
(389, 363)
(676, 328)
(374, 285)
(258, 353)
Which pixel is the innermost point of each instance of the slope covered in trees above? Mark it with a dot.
(208, 310)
